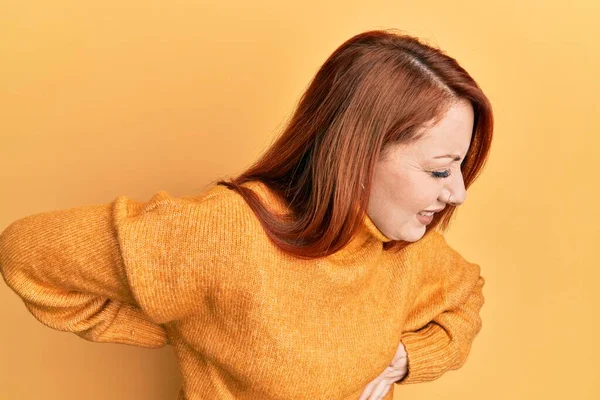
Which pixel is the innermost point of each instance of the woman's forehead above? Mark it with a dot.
(450, 136)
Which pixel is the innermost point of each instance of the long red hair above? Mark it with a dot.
(376, 89)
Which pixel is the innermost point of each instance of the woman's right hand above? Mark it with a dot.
(380, 386)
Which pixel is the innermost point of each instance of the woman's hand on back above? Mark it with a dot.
(381, 385)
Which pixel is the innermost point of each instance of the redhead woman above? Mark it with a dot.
(320, 272)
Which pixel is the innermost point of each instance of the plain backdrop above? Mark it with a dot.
(100, 99)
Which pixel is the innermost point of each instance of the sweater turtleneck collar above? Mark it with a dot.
(370, 226)
(366, 242)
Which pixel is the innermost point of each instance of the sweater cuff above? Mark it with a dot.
(429, 354)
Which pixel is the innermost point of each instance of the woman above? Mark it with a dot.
(315, 274)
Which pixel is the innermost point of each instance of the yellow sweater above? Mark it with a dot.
(246, 321)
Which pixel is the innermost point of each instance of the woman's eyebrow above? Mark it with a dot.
(455, 157)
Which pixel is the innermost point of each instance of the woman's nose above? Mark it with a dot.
(455, 194)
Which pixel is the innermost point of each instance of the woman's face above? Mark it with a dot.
(404, 183)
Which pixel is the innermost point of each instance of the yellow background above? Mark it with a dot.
(99, 99)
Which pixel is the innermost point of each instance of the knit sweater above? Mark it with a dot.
(245, 320)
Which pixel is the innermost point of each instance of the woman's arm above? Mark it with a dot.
(68, 269)
(446, 316)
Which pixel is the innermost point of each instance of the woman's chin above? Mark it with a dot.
(413, 234)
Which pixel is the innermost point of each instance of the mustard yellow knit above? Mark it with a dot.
(246, 321)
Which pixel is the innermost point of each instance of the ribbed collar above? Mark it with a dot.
(365, 245)
(369, 225)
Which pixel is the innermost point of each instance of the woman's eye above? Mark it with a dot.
(441, 174)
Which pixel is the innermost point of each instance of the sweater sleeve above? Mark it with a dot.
(446, 315)
(68, 269)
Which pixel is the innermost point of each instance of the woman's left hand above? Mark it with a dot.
(379, 386)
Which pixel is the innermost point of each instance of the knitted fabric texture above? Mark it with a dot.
(245, 320)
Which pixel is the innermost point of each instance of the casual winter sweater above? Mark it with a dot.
(245, 320)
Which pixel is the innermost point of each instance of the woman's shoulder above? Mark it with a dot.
(221, 198)
(215, 203)
(435, 256)
(426, 252)
(214, 219)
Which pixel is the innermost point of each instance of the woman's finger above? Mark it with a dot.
(395, 376)
(380, 390)
(367, 392)
(387, 389)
